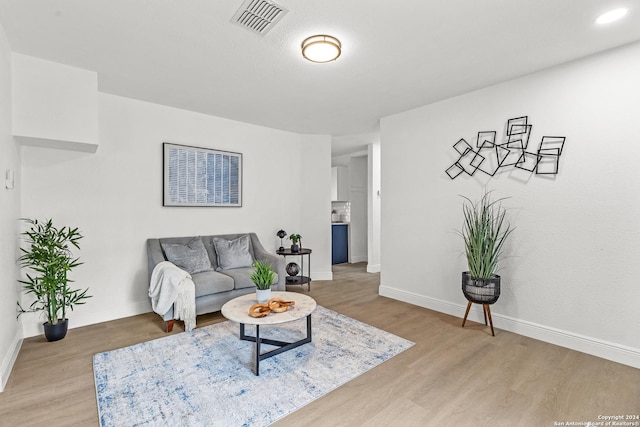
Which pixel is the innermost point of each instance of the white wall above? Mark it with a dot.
(571, 274)
(115, 196)
(314, 203)
(358, 198)
(54, 105)
(373, 208)
(10, 332)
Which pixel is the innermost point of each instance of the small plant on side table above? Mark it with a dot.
(295, 238)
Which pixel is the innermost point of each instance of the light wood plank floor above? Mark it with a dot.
(451, 377)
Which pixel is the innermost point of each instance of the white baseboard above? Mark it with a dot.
(321, 275)
(10, 359)
(373, 268)
(596, 347)
(32, 324)
(357, 258)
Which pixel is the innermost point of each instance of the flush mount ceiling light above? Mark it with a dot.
(321, 48)
(611, 16)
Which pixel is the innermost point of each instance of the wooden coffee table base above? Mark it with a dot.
(284, 346)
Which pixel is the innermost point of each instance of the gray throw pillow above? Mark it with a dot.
(233, 253)
(192, 257)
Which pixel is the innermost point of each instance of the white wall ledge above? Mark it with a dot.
(58, 144)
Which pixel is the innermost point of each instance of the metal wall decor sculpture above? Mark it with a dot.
(488, 156)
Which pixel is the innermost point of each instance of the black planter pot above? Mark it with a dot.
(56, 332)
(480, 291)
(295, 248)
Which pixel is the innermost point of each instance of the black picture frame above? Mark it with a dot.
(200, 177)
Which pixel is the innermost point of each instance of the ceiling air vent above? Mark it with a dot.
(259, 16)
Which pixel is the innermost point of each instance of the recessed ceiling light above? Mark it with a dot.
(612, 15)
(321, 48)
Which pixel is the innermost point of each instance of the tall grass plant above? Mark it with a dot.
(485, 231)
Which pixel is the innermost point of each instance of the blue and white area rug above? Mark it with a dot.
(205, 377)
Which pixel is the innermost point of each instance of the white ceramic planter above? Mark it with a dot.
(263, 295)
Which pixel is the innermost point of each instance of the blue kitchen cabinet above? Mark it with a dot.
(339, 243)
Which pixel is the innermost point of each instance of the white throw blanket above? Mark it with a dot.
(172, 285)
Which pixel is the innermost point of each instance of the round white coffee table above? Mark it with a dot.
(237, 310)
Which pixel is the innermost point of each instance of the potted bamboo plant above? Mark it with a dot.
(263, 278)
(50, 259)
(484, 232)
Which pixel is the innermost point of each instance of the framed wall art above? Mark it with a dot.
(195, 176)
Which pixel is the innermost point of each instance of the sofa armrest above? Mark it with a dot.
(277, 264)
(275, 261)
(154, 255)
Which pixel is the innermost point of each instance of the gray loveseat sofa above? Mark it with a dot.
(227, 276)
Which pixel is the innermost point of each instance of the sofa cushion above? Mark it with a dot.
(211, 282)
(233, 253)
(192, 257)
(241, 277)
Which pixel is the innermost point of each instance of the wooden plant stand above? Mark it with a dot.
(486, 308)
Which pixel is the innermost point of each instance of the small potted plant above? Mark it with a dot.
(263, 277)
(49, 256)
(295, 238)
